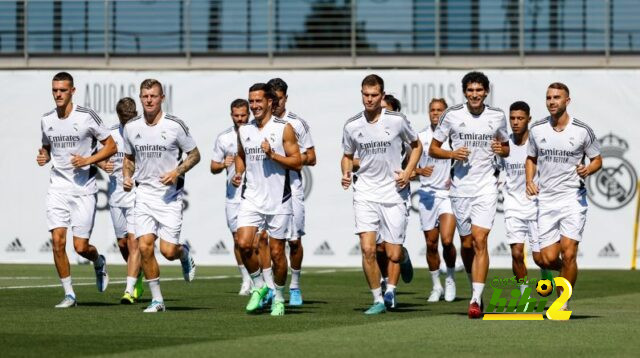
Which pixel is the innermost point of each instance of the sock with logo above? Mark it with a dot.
(377, 295)
(131, 282)
(435, 278)
(257, 279)
(295, 279)
(279, 294)
(478, 287)
(267, 274)
(154, 287)
(244, 273)
(68, 288)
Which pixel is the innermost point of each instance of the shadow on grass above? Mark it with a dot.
(183, 308)
(97, 304)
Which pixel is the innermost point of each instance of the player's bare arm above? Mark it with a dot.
(218, 167)
(530, 167)
(404, 176)
(595, 164)
(193, 158)
(240, 165)
(292, 160)
(128, 168)
(346, 164)
(436, 151)
(43, 156)
(108, 149)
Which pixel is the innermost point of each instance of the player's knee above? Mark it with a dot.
(369, 253)
(395, 257)
(294, 246)
(81, 246)
(122, 244)
(145, 248)
(517, 257)
(432, 246)
(277, 252)
(480, 245)
(171, 252)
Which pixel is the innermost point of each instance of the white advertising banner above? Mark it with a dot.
(605, 99)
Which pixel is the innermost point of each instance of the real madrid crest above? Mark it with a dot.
(614, 186)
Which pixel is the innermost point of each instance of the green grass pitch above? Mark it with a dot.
(207, 318)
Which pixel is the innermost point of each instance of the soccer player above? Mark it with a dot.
(520, 210)
(267, 150)
(379, 200)
(308, 154)
(69, 137)
(153, 146)
(391, 103)
(478, 132)
(224, 154)
(557, 147)
(436, 216)
(121, 205)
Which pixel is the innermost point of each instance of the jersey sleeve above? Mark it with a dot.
(97, 128)
(532, 147)
(348, 144)
(44, 139)
(592, 145)
(305, 139)
(218, 152)
(406, 131)
(128, 147)
(185, 140)
(443, 129)
(502, 135)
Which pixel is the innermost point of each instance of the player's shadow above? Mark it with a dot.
(311, 302)
(183, 308)
(97, 304)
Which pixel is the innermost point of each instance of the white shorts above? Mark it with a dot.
(477, 210)
(561, 220)
(77, 212)
(389, 221)
(521, 230)
(231, 210)
(298, 216)
(163, 220)
(278, 226)
(431, 208)
(123, 221)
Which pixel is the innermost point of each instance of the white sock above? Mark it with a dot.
(267, 274)
(386, 279)
(154, 286)
(279, 294)
(295, 279)
(477, 288)
(391, 288)
(522, 288)
(244, 273)
(66, 285)
(131, 281)
(377, 295)
(435, 278)
(256, 277)
(451, 271)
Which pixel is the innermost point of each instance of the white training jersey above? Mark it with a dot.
(117, 196)
(440, 179)
(227, 145)
(303, 135)
(158, 150)
(379, 146)
(559, 154)
(78, 134)
(476, 175)
(266, 183)
(516, 202)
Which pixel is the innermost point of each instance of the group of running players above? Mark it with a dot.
(457, 159)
